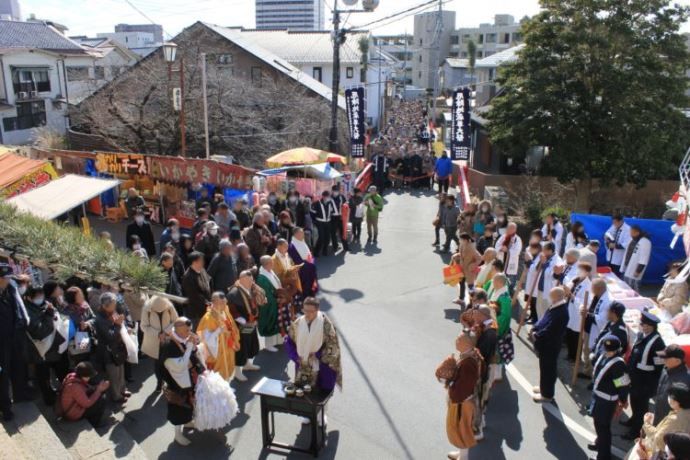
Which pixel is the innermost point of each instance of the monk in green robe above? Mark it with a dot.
(268, 313)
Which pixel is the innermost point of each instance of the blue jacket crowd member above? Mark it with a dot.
(644, 367)
(610, 391)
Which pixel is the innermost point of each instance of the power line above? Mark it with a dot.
(391, 16)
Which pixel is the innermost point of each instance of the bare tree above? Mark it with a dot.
(249, 120)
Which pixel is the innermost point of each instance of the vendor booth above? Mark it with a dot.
(62, 195)
(303, 156)
(308, 180)
(19, 174)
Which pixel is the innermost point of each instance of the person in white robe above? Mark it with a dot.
(636, 257)
(552, 231)
(508, 249)
(550, 267)
(596, 318)
(576, 288)
(617, 238)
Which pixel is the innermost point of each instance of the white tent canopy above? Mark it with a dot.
(61, 195)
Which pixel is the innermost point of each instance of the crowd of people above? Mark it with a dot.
(239, 283)
(554, 274)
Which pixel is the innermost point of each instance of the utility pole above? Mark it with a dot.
(405, 68)
(183, 130)
(333, 138)
(203, 86)
(437, 61)
(380, 96)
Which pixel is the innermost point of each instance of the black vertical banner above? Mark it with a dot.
(460, 137)
(354, 100)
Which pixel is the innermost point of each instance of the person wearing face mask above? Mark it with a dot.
(224, 218)
(675, 371)
(337, 219)
(575, 290)
(636, 258)
(143, 230)
(134, 202)
(209, 244)
(323, 211)
(285, 226)
(222, 269)
(644, 367)
(296, 208)
(137, 249)
(677, 421)
(615, 326)
(357, 211)
(48, 342)
(172, 229)
(172, 285)
(450, 223)
(277, 205)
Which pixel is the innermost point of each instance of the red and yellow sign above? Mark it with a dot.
(34, 179)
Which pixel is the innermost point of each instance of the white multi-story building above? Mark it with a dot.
(131, 40)
(291, 14)
(400, 47)
(312, 53)
(9, 9)
(489, 39)
(42, 72)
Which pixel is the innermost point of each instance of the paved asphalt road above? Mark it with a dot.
(396, 322)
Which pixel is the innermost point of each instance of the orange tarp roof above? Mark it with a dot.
(14, 167)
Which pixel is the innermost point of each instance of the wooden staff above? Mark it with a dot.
(580, 338)
(529, 299)
(517, 286)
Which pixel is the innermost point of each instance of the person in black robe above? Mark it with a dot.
(143, 230)
(244, 311)
(180, 370)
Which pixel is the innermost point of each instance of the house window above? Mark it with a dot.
(463, 54)
(480, 54)
(362, 75)
(420, 58)
(466, 37)
(27, 80)
(420, 42)
(256, 75)
(481, 38)
(454, 39)
(317, 73)
(99, 72)
(490, 38)
(350, 72)
(224, 59)
(80, 73)
(29, 115)
(517, 37)
(420, 74)
(506, 38)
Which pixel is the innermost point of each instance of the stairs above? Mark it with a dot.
(35, 433)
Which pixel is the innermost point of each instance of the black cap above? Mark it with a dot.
(618, 308)
(672, 351)
(611, 343)
(5, 270)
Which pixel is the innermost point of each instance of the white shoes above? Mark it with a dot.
(272, 349)
(458, 454)
(305, 421)
(239, 375)
(250, 366)
(180, 438)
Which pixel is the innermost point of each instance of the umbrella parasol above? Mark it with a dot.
(303, 156)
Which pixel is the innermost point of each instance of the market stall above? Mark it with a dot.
(19, 174)
(303, 156)
(61, 195)
(308, 180)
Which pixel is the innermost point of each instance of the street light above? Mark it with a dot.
(338, 39)
(169, 53)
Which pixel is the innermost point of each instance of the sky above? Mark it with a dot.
(88, 17)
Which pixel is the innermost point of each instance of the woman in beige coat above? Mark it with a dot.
(157, 318)
(673, 296)
(469, 259)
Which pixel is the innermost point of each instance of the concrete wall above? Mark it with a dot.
(648, 201)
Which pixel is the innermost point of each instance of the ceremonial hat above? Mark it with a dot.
(649, 318)
(5, 271)
(618, 308)
(672, 351)
(611, 343)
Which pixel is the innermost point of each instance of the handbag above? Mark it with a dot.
(506, 349)
(452, 274)
(131, 342)
(80, 344)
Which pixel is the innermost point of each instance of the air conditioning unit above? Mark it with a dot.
(34, 93)
(23, 95)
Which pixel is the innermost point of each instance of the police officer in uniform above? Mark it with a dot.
(615, 326)
(337, 218)
(644, 367)
(609, 393)
(322, 211)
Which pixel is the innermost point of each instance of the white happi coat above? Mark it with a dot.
(640, 255)
(547, 273)
(620, 236)
(513, 254)
(558, 239)
(601, 312)
(577, 299)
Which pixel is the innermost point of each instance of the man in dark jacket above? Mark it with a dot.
(13, 322)
(172, 286)
(222, 269)
(143, 230)
(675, 371)
(548, 336)
(111, 352)
(196, 286)
(615, 326)
(208, 245)
(244, 220)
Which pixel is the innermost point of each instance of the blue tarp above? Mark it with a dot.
(658, 231)
(322, 171)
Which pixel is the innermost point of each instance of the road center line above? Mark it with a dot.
(571, 424)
